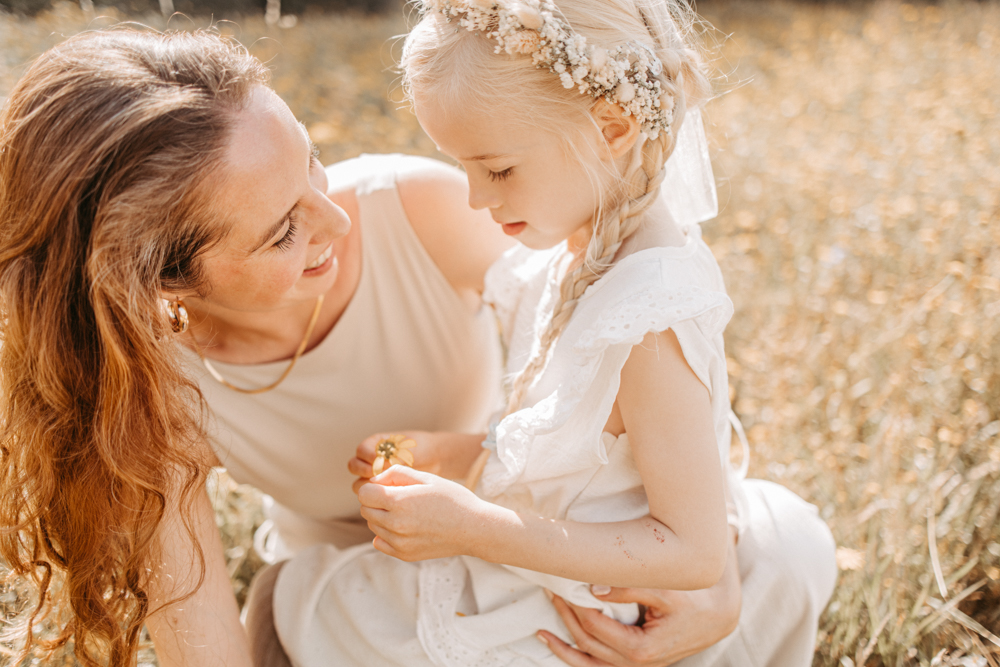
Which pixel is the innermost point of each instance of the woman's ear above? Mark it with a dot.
(620, 132)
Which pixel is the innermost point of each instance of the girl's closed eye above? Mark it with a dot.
(501, 175)
(286, 241)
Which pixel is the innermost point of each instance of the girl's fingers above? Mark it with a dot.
(358, 483)
(402, 476)
(374, 496)
(384, 547)
(567, 653)
(374, 517)
(378, 527)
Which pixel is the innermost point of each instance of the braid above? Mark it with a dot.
(642, 186)
(641, 181)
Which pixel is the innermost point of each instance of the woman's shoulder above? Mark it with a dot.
(434, 196)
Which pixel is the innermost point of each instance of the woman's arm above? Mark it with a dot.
(204, 630)
(682, 544)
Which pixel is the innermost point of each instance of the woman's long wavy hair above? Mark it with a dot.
(105, 144)
(456, 66)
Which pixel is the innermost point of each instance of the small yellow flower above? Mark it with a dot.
(396, 450)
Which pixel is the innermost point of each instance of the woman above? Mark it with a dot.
(138, 168)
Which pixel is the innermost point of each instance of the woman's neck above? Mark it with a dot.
(241, 337)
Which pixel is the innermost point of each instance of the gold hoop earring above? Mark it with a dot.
(177, 315)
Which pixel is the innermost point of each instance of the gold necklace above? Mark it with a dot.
(288, 369)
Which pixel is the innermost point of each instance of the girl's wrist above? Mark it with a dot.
(490, 531)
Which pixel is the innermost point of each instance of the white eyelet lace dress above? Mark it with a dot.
(552, 458)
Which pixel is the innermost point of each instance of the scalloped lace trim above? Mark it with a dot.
(651, 309)
(441, 585)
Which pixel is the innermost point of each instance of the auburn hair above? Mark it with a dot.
(105, 144)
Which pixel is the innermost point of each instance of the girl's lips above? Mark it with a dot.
(513, 228)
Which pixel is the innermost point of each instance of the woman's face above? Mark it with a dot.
(282, 244)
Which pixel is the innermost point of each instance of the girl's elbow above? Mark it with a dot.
(709, 563)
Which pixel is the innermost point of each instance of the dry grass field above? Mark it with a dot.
(857, 149)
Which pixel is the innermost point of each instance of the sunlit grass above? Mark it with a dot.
(857, 149)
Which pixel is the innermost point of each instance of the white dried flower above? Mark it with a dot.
(523, 42)
(624, 92)
(666, 101)
(529, 17)
(598, 59)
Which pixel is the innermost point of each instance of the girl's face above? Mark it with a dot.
(522, 174)
(282, 246)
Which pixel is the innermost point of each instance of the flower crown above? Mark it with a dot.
(627, 76)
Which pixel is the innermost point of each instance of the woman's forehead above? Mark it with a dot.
(262, 168)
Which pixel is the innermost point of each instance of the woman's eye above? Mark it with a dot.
(501, 175)
(286, 241)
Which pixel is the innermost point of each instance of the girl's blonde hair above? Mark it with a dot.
(456, 66)
(105, 145)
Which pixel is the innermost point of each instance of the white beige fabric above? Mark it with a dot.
(407, 354)
(359, 607)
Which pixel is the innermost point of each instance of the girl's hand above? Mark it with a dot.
(417, 516)
(447, 455)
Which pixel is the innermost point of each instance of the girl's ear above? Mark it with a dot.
(620, 132)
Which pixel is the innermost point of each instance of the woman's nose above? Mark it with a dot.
(330, 221)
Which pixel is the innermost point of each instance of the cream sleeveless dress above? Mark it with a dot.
(407, 353)
(359, 607)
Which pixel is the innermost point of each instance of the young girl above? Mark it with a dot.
(608, 465)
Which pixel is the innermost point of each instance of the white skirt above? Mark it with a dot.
(360, 607)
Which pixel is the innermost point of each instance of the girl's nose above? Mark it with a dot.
(482, 194)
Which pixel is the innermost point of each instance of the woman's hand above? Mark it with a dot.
(678, 624)
(417, 516)
(447, 455)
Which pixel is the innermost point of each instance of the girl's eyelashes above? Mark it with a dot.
(286, 241)
(501, 175)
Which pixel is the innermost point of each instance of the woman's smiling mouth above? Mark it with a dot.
(322, 259)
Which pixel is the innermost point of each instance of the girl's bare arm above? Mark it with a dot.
(667, 414)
